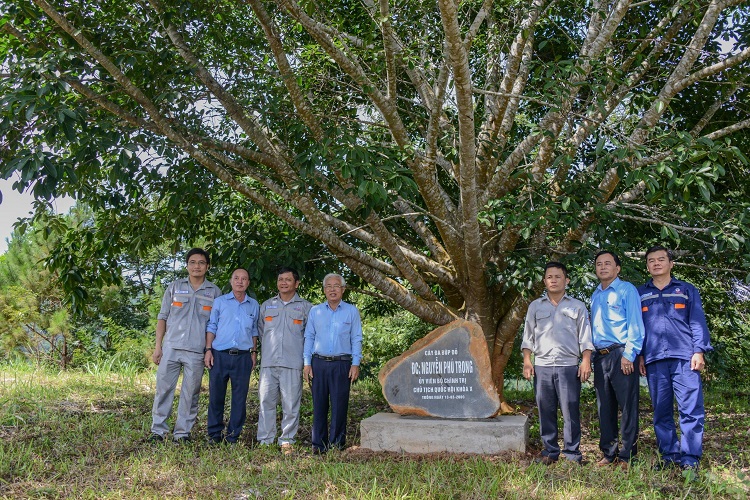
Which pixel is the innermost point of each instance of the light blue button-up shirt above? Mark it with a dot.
(333, 333)
(616, 318)
(233, 322)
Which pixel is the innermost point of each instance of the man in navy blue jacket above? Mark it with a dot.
(672, 359)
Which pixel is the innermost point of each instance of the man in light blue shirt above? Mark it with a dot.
(231, 348)
(332, 353)
(617, 328)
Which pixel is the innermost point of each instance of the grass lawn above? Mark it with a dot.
(80, 434)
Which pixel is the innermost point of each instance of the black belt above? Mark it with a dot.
(233, 351)
(606, 350)
(343, 357)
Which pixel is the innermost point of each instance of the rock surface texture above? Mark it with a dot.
(445, 374)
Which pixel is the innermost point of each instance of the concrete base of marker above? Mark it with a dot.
(490, 436)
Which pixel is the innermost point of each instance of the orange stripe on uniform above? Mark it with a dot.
(269, 318)
(679, 306)
(297, 321)
(177, 304)
(644, 308)
(206, 308)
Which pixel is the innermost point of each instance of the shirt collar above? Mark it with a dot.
(337, 307)
(230, 295)
(296, 298)
(546, 297)
(615, 283)
(672, 282)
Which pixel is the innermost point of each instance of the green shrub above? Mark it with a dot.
(388, 336)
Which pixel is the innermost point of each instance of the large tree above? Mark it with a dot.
(440, 150)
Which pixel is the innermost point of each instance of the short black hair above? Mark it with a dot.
(659, 248)
(614, 256)
(197, 251)
(556, 265)
(287, 269)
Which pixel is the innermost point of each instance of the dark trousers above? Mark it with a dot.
(671, 379)
(330, 388)
(559, 385)
(235, 368)
(615, 390)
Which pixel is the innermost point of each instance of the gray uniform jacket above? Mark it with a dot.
(281, 329)
(186, 312)
(557, 335)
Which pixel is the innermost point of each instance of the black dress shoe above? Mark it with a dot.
(183, 440)
(690, 472)
(665, 465)
(155, 438)
(544, 460)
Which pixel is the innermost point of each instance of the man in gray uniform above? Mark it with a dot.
(180, 341)
(281, 328)
(557, 331)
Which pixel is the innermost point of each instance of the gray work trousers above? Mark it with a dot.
(172, 361)
(275, 381)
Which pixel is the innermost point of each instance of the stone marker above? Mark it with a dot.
(391, 432)
(445, 374)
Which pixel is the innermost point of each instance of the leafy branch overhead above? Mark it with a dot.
(440, 150)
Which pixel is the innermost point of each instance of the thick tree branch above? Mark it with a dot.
(472, 273)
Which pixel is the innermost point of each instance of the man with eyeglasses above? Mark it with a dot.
(332, 353)
(180, 340)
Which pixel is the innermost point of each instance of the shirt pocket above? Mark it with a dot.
(180, 303)
(204, 305)
(270, 317)
(543, 319)
(677, 307)
(571, 313)
(297, 322)
(345, 329)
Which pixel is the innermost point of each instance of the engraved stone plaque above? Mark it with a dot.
(445, 374)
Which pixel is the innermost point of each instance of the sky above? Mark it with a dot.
(16, 205)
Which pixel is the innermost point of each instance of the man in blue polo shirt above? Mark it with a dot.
(676, 338)
(617, 331)
(231, 348)
(332, 352)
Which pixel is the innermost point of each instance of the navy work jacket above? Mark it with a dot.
(674, 321)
